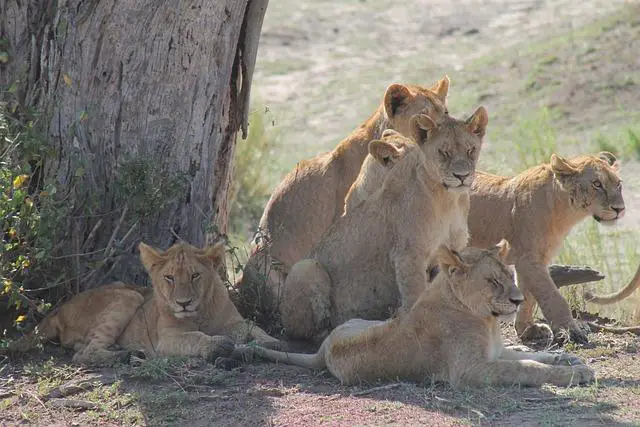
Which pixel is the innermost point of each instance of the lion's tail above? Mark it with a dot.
(617, 296)
(313, 361)
(47, 329)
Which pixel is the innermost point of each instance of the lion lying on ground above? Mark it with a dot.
(375, 258)
(188, 312)
(535, 210)
(451, 334)
(310, 198)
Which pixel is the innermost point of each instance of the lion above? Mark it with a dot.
(535, 210)
(375, 258)
(187, 313)
(452, 333)
(310, 198)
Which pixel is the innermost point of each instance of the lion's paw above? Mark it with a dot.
(219, 347)
(582, 374)
(568, 359)
(227, 363)
(537, 333)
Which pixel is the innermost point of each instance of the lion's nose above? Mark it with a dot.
(183, 303)
(461, 176)
(516, 301)
(619, 211)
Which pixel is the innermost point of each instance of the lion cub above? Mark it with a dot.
(375, 258)
(188, 312)
(535, 210)
(451, 334)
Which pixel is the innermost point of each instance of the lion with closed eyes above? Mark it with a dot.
(452, 333)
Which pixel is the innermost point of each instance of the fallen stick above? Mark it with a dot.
(82, 405)
(79, 385)
(374, 389)
(565, 275)
(614, 329)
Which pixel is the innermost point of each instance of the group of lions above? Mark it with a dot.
(390, 251)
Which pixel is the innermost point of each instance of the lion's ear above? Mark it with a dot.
(215, 253)
(449, 260)
(607, 157)
(383, 151)
(502, 250)
(149, 256)
(441, 88)
(477, 123)
(390, 132)
(561, 166)
(421, 125)
(395, 97)
(610, 158)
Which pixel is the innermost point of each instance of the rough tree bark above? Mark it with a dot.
(141, 100)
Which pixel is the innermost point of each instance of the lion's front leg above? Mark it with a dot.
(525, 373)
(534, 279)
(194, 343)
(246, 330)
(548, 358)
(411, 278)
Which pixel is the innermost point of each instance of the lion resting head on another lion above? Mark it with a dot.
(451, 334)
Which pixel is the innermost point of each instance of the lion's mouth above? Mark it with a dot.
(504, 315)
(459, 186)
(599, 219)
(185, 313)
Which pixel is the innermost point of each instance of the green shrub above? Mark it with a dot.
(29, 214)
(250, 188)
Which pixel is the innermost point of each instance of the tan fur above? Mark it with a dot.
(188, 312)
(616, 296)
(535, 210)
(451, 334)
(374, 259)
(311, 197)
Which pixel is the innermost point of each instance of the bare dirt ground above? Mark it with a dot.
(323, 66)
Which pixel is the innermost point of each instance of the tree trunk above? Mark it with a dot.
(140, 101)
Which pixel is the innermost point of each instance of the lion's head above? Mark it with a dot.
(183, 276)
(481, 281)
(401, 102)
(592, 183)
(451, 146)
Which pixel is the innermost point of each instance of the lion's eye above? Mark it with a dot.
(597, 184)
(169, 278)
(471, 151)
(195, 276)
(495, 283)
(443, 154)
